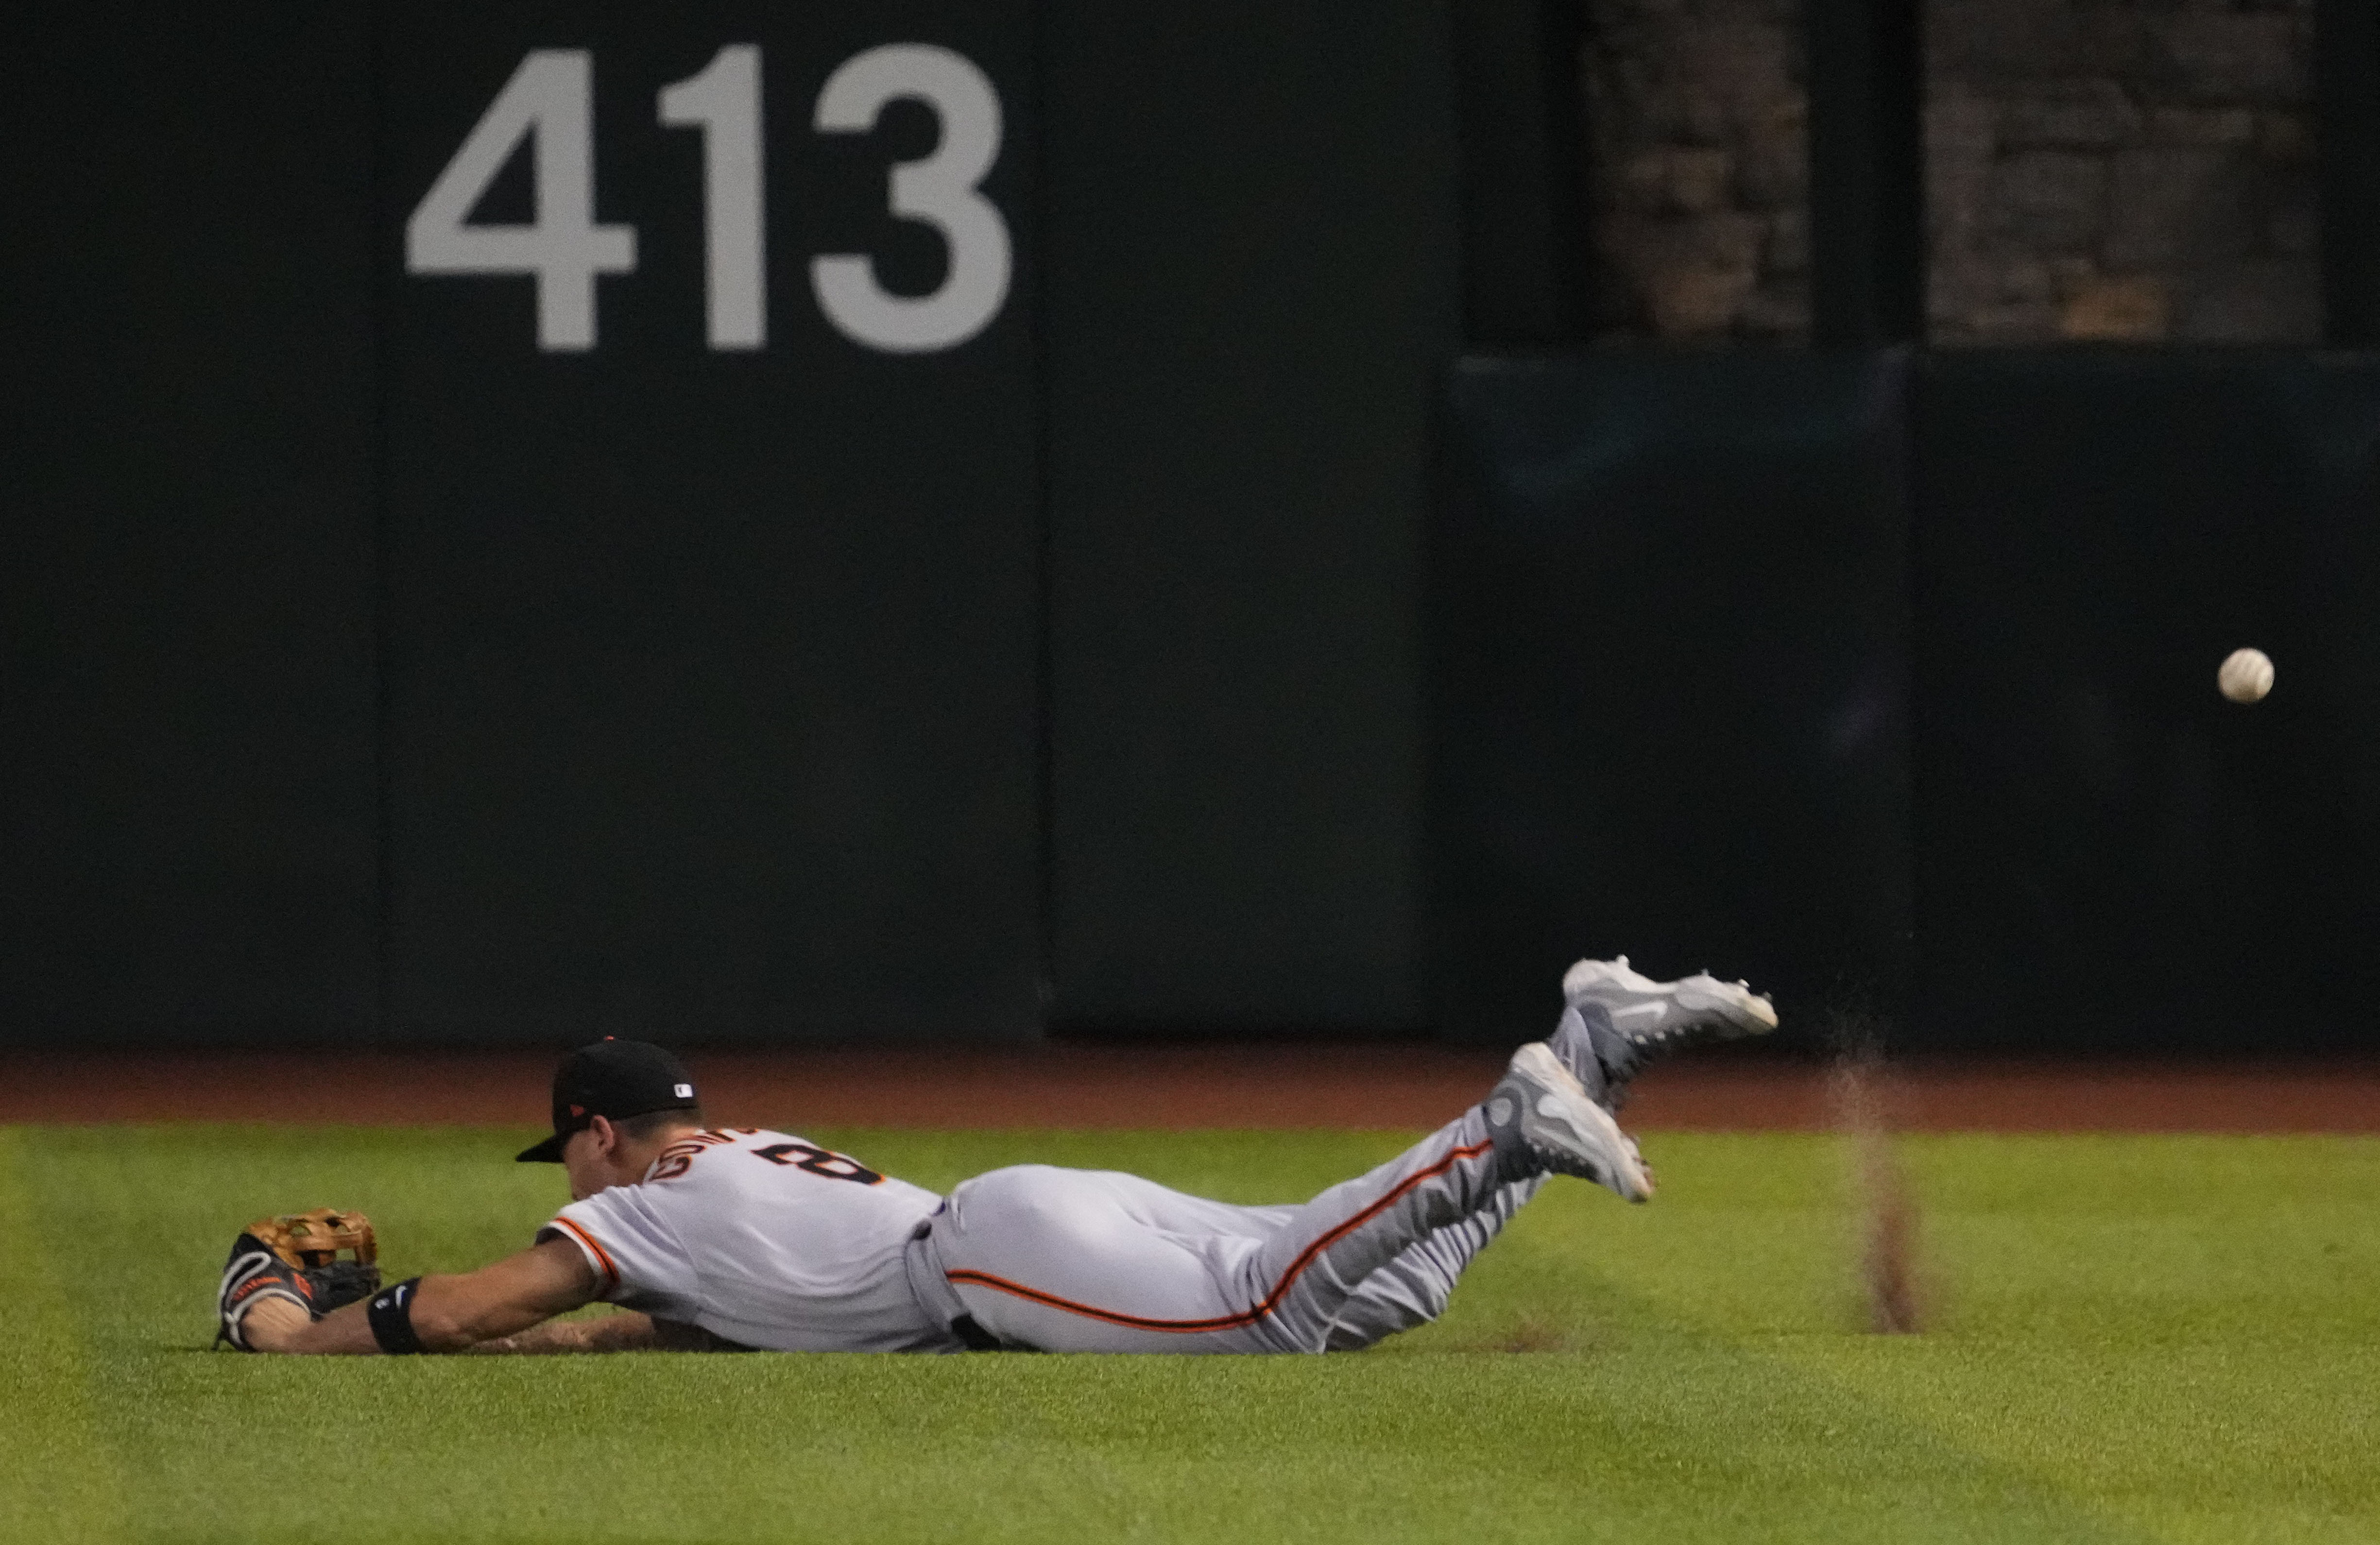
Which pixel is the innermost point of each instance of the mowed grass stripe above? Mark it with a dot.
(59, 1478)
(2182, 1333)
(1689, 1444)
(1708, 1382)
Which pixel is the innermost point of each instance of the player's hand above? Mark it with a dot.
(290, 1268)
(272, 1324)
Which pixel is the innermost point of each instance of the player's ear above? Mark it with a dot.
(607, 1137)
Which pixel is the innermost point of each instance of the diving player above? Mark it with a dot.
(747, 1238)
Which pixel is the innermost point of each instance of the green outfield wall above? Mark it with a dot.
(962, 522)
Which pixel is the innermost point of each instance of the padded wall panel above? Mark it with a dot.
(1668, 653)
(1251, 238)
(2111, 855)
(711, 672)
(185, 854)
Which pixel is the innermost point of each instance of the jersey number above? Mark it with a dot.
(818, 1161)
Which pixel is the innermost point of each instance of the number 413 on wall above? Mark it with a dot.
(551, 99)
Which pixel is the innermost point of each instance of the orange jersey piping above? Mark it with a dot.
(601, 1257)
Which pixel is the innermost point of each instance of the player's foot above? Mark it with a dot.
(1542, 1120)
(253, 1275)
(1617, 1021)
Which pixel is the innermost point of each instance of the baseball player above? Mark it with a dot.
(745, 1239)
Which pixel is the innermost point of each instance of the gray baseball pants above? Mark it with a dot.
(1093, 1261)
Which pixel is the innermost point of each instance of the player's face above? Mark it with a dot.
(583, 1161)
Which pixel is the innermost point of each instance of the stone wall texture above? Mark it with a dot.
(2096, 170)
(1698, 177)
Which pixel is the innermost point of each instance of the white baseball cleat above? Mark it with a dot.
(1541, 1119)
(1618, 1020)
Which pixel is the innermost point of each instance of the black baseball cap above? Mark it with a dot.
(613, 1079)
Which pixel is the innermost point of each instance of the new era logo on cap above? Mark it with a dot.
(683, 1091)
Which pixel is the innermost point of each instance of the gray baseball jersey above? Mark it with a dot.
(763, 1239)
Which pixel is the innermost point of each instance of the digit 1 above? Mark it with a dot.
(724, 102)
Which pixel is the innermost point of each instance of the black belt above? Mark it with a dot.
(972, 1337)
(975, 1338)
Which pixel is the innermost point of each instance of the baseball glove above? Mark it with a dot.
(296, 1257)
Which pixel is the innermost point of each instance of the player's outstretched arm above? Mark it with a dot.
(448, 1314)
(625, 1331)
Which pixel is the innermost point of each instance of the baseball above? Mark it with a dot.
(2246, 675)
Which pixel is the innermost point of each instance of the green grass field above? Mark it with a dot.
(2135, 1339)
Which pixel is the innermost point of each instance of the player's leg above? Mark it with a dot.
(1069, 1261)
(1616, 1022)
(1592, 1043)
(1537, 1120)
(1417, 1218)
(1076, 1260)
(1410, 1290)
(1414, 1288)
(1095, 1261)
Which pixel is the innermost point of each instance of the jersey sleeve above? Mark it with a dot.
(632, 1248)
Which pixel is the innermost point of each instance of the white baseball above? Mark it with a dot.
(2246, 675)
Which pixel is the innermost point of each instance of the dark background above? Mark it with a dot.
(1889, 680)
(1251, 276)
(1210, 646)
(709, 678)
(188, 552)
(1671, 648)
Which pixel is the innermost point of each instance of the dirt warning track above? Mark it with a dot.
(1398, 1085)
